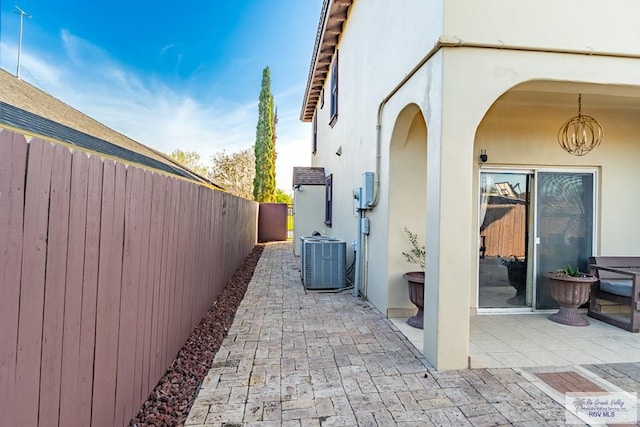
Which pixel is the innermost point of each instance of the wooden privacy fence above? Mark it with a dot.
(504, 229)
(105, 269)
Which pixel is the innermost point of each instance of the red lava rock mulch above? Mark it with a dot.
(169, 403)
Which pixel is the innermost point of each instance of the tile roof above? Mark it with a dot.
(308, 176)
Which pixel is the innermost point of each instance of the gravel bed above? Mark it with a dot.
(169, 403)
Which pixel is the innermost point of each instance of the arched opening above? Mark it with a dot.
(541, 208)
(407, 203)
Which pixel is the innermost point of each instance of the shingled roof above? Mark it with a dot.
(24, 107)
(308, 176)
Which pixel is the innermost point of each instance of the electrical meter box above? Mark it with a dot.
(366, 197)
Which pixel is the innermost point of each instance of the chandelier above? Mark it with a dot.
(580, 134)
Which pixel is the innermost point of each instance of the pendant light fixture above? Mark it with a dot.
(580, 134)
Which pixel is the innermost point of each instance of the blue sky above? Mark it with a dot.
(172, 74)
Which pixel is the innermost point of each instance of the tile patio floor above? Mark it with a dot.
(520, 340)
(293, 358)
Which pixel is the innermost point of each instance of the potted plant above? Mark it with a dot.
(570, 289)
(415, 279)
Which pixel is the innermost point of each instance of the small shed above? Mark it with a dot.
(308, 203)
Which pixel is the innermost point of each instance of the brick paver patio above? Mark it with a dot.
(327, 359)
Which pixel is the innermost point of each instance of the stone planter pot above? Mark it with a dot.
(517, 276)
(570, 292)
(416, 296)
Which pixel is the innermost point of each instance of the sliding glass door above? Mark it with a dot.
(555, 209)
(564, 226)
(504, 236)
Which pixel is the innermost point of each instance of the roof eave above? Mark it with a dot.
(332, 17)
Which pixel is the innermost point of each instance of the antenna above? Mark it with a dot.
(22, 15)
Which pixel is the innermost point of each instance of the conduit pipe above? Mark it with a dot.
(356, 274)
(452, 41)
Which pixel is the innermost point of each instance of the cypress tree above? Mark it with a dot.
(264, 183)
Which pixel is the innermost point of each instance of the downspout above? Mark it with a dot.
(436, 47)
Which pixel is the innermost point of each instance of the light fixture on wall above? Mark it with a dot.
(339, 151)
(580, 134)
(483, 156)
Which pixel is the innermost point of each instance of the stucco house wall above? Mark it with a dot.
(446, 80)
(308, 213)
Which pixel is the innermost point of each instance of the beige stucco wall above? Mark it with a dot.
(607, 26)
(495, 72)
(308, 213)
(366, 77)
(454, 91)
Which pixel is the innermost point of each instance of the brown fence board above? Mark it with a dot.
(13, 164)
(200, 298)
(181, 240)
(137, 261)
(147, 287)
(189, 254)
(221, 221)
(73, 294)
(55, 282)
(213, 271)
(34, 252)
(155, 260)
(108, 303)
(165, 271)
(172, 325)
(89, 291)
(128, 298)
(197, 230)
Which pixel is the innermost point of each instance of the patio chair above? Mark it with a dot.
(619, 284)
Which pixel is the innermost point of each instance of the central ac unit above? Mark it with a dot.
(324, 263)
(305, 242)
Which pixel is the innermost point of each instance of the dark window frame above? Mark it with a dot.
(328, 200)
(333, 118)
(314, 141)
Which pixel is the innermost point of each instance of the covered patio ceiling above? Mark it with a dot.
(564, 94)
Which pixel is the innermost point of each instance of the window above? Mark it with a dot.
(314, 141)
(334, 91)
(328, 200)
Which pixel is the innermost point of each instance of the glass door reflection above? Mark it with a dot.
(504, 224)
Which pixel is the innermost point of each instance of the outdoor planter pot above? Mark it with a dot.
(416, 295)
(570, 292)
(517, 276)
(415, 278)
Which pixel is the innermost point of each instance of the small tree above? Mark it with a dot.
(234, 172)
(264, 183)
(191, 160)
(282, 197)
(417, 253)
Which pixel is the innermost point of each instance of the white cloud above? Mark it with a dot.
(153, 113)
